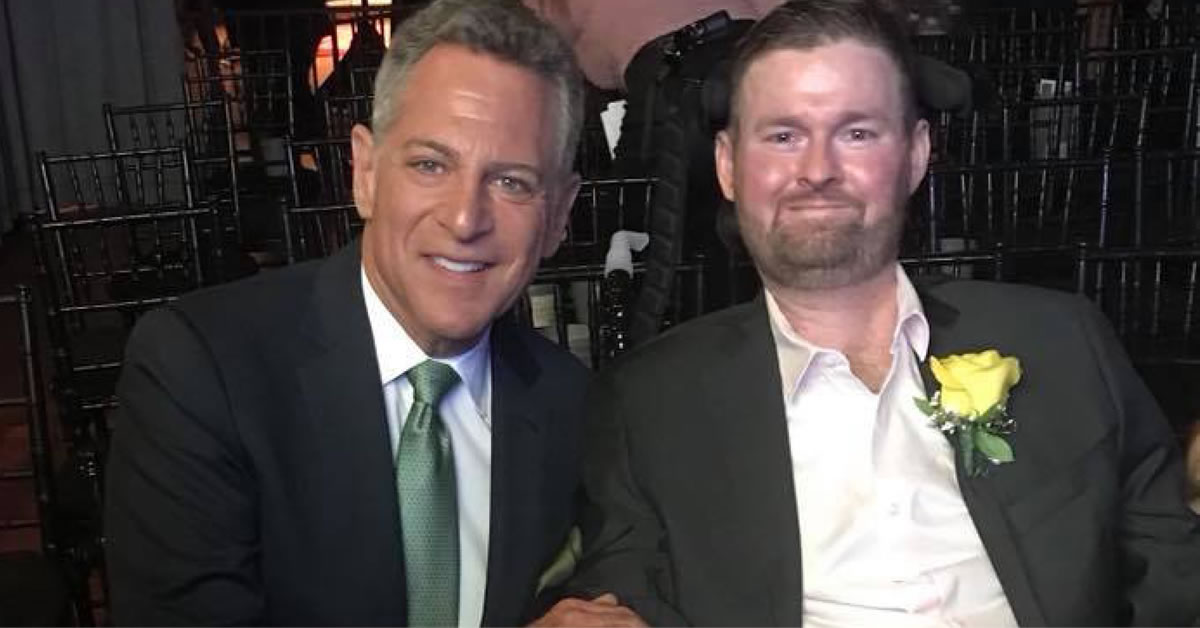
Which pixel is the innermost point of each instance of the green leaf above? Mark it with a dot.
(994, 447)
(924, 406)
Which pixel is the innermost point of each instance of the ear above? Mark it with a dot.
(558, 211)
(723, 152)
(918, 154)
(362, 145)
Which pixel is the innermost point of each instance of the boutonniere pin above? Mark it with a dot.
(972, 406)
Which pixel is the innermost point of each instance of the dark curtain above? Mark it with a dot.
(60, 60)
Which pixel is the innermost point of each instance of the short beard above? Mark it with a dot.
(834, 257)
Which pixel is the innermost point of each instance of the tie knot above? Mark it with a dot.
(431, 380)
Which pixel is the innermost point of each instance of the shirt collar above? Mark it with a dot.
(397, 353)
(796, 353)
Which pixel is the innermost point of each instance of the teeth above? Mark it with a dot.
(458, 267)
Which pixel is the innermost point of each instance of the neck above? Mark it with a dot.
(838, 317)
(858, 320)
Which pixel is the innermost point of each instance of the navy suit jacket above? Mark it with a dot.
(251, 479)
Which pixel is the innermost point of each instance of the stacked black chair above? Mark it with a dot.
(362, 80)
(121, 233)
(356, 39)
(320, 216)
(1081, 173)
(36, 582)
(257, 85)
(364, 31)
(260, 87)
(205, 130)
(343, 112)
(1150, 296)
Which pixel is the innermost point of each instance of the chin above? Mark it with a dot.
(460, 327)
(463, 330)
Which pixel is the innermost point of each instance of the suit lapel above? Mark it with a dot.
(758, 421)
(343, 405)
(517, 450)
(343, 401)
(948, 335)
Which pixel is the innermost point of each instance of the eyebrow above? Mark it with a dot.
(865, 116)
(851, 117)
(454, 155)
(435, 146)
(509, 166)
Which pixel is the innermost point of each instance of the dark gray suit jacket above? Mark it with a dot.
(693, 518)
(251, 479)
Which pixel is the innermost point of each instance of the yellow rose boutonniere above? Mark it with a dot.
(972, 405)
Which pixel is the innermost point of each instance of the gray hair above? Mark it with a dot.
(504, 29)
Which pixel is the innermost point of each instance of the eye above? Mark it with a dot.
(782, 137)
(860, 135)
(427, 166)
(514, 184)
(515, 187)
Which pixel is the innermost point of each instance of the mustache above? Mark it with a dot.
(821, 198)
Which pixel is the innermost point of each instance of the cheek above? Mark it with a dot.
(402, 207)
(876, 175)
(763, 173)
(521, 230)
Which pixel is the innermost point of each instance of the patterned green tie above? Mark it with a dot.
(428, 508)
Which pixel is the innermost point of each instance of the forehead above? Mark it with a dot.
(454, 85)
(837, 75)
(453, 64)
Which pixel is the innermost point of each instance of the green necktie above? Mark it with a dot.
(428, 508)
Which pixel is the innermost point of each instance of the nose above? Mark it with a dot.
(468, 214)
(819, 166)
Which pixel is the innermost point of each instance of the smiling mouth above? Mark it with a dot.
(803, 207)
(458, 266)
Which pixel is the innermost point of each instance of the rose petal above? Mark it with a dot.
(942, 372)
(984, 359)
(956, 401)
(1014, 368)
(974, 382)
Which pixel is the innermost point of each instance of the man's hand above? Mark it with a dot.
(601, 611)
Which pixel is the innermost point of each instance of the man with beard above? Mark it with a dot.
(778, 463)
(620, 46)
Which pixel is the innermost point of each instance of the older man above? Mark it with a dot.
(778, 463)
(361, 440)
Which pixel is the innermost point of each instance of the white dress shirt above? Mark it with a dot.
(466, 412)
(886, 538)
